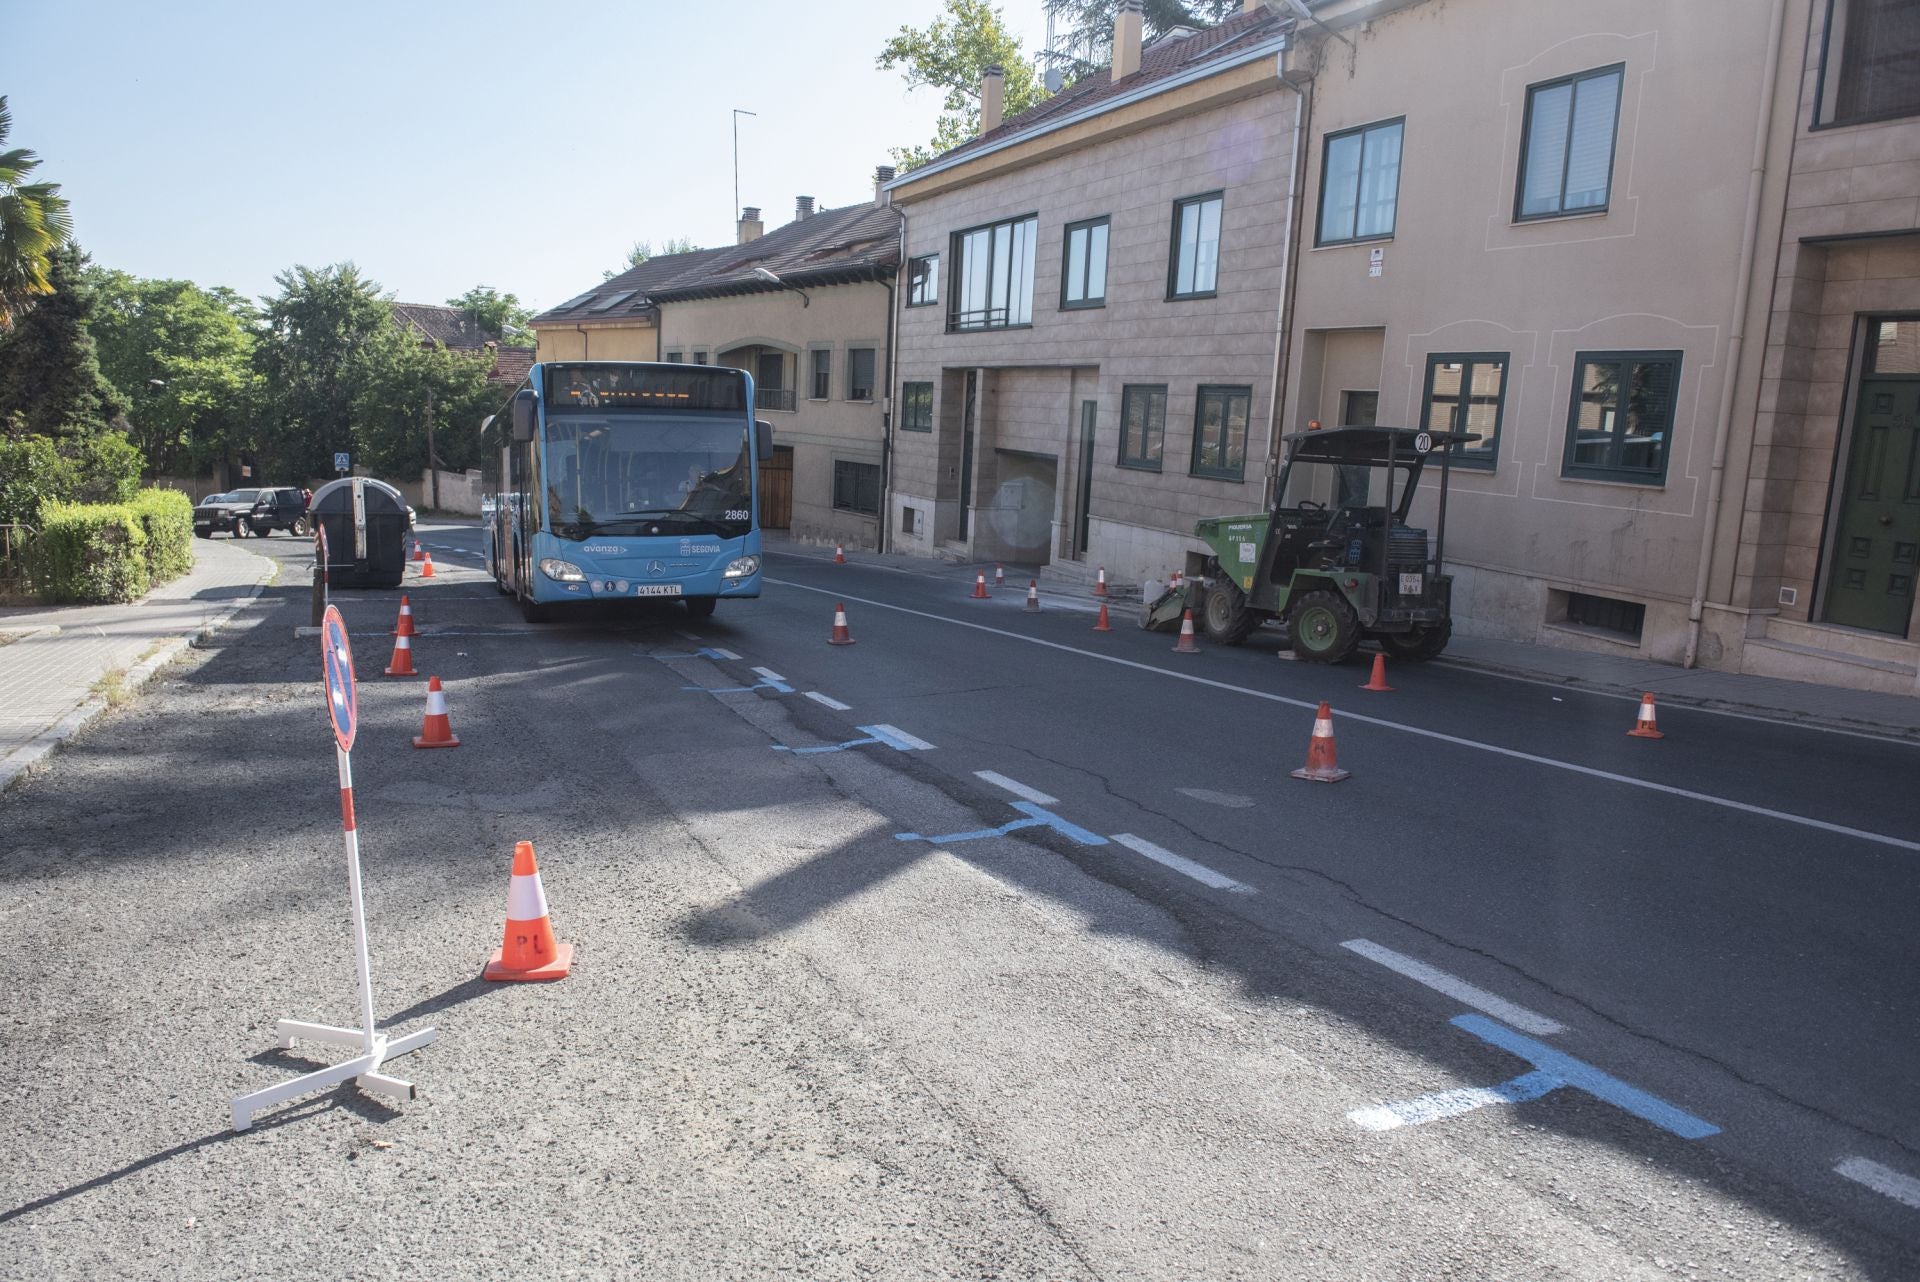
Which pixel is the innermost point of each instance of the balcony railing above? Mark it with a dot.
(773, 398)
(984, 318)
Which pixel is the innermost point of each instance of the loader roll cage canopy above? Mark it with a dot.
(1375, 447)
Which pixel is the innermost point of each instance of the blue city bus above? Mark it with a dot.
(626, 481)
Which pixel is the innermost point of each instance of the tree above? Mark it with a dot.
(315, 328)
(35, 222)
(499, 314)
(1086, 27)
(643, 250)
(50, 379)
(184, 356)
(950, 54)
(397, 383)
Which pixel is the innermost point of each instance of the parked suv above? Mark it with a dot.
(279, 509)
(227, 511)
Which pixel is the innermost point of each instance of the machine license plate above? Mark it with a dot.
(1411, 584)
(658, 589)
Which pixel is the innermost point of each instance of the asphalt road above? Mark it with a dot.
(1523, 997)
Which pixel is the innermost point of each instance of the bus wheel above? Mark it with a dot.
(701, 607)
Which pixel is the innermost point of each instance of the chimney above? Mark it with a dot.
(993, 97)
(1126, 39)
(751, 228)
(882, 175)
(1253, 6)
(802, 208)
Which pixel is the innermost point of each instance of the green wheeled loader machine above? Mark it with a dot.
(1335, 559)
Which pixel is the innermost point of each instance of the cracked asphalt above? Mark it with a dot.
(794, 1045)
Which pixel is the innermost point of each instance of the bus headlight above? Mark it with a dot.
(741, 567)
(564, 571)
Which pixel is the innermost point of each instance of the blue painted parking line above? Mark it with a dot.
(778, 687)
(890, 736)
(1036, 817)
(1552, 1070)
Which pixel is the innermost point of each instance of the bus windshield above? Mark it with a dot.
(636, 474)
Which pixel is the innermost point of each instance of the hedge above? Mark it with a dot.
(90, 552)
(166, 518)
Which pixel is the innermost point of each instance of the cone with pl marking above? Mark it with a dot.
(436, 731)
(402, 663)
(419, 550)
(1323, 758)
(1033, 594)
(404, 628)
(1100, 582)
(426, 567)
(840, 634)
(1102, 625)
(1645, 726)
(999, 576)
(839, 554)
(1188, 643)
(980, 586)
(1378, 681)
(529, 950)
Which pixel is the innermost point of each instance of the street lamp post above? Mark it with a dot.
(737, 113)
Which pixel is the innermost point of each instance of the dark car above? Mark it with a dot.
(283, 508)
(228, 512)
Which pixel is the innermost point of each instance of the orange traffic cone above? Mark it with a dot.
(1378, 682)
(1177, 580)
(426, 567)
(999, 576)
(402, 662)
(529, 950)
(839, 554)
(404, 628)
(1033, 594)
(1103, 625)
(1100, 583)
(980, 586)
(840, 634)
(418, 550)
(1323, 759)
(436, 731)
(1188, 643)
(1644, 725)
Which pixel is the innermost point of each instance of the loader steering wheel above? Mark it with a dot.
(1306, 504)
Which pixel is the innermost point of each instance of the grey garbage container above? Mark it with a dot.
(366, 524)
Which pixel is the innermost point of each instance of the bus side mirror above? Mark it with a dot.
(523, 415)
(763, 439)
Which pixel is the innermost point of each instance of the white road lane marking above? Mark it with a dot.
(724, 654)
(898, 738)
(1458, 989)
(1881, 1179)
(1181, 864)
(769, 674)
(691, 636)
(830, 702)
(1017, 788)
(1515, 754)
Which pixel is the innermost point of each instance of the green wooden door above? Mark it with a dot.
(1876, 550)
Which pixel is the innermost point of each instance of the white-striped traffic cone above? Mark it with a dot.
(1033, 594)
(1100, 583)
(841, 636)
(1188, 643)
(436, 731)
(529, 950)
(402, 663)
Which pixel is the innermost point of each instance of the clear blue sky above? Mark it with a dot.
(441, 146)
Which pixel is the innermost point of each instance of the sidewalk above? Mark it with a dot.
(51, 658)
(1833, 707)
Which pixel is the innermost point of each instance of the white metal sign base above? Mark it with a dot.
(364, 1068)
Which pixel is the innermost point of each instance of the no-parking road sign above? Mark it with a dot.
(336, 657)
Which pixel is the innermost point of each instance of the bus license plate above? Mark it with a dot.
(1410, 584)
(657, 589)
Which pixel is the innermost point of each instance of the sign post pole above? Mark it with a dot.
(374, 1046)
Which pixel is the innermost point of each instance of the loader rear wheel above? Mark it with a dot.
(1226, 615)
(1323, 628)
(1419, 645)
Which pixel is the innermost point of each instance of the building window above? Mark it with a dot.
(856, 487)
(923, 280)
(1143, 425)
(1194, 269)
(699, 358)
(1870, 61)
(916, 407)
(822, 387)
(1566, 148)
(1624, 618)
(1220, 417)
(673, 358)
(1360, 183)
(859, 373)
(1620, 422)
(993, 275)
(1083, 273)
(1467, 393)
